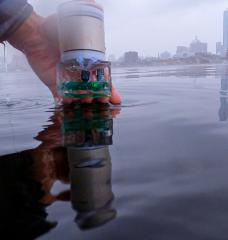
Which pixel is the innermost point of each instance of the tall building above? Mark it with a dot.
(197, 46)
(219, 49)
(225, 32)
(131, 58)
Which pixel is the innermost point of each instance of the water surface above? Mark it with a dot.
(154, 168)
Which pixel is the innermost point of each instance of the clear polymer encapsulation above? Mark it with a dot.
(86, 78)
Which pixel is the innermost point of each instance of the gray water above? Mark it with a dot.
(162, 172)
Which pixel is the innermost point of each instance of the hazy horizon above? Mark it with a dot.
(152, 27)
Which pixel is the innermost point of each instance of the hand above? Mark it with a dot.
(37, 38)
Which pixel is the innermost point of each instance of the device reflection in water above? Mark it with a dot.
(86, 133)
(74, 149)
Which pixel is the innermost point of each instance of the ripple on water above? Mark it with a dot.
(134, 103)
(14, 105)
(18, 105)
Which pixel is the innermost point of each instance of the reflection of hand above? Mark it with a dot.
(50, 160)
(50, 165)
(38, 39)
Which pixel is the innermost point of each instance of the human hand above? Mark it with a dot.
(37, 38)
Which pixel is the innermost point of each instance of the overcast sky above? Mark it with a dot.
(152, 26)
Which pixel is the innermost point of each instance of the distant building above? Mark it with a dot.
(182, 52)
(197, 47)
(225, 32)
(131, 58)
(219, 49)
(181, 49)
(165, 55)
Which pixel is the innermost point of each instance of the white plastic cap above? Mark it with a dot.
(81, 26)
(81, 8)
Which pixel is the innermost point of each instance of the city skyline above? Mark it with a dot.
(145, 25)
(123, 31)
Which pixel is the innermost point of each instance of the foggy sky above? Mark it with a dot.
(152, 26)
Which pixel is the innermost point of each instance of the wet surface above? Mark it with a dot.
(154, 168)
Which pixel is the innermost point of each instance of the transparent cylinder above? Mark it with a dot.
(84, 74)
(83, 71)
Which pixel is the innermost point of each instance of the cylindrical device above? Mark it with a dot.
(90, 174)
(91, 186)
(81, 26)
(83, 71)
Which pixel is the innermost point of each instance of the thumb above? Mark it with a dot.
(115, 98)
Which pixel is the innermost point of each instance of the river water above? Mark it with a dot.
(155, 167)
